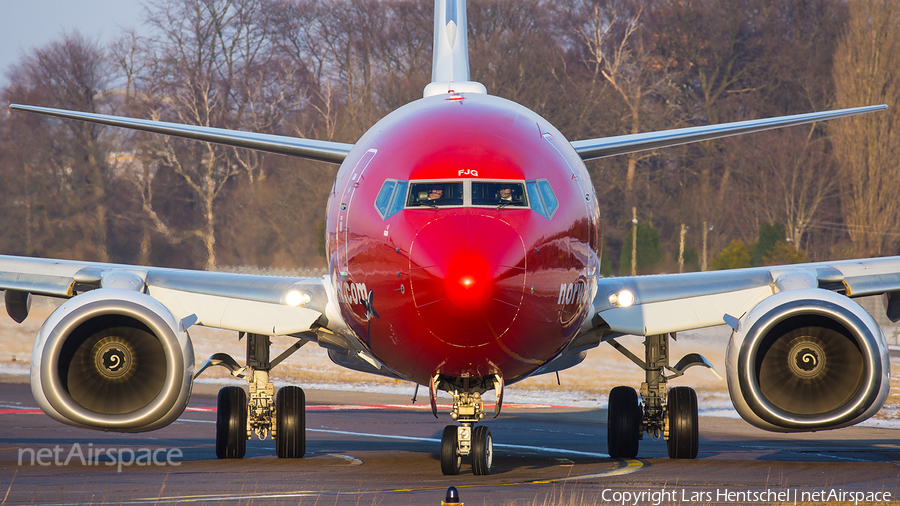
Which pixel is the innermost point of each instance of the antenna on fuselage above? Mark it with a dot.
(450, 65)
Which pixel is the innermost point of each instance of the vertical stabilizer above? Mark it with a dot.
(450, 67)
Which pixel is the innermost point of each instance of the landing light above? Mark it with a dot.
(296, 298)
(468, 281)
(623, 298)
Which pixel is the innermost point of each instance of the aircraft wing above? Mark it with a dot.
(610, 146)
(325, 151)
(242, 302)
(658, 304)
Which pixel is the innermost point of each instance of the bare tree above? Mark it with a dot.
(356, 59)
(616, 51)
(784, 177)
(65, 163)
(867, 71)
(210, 63)
(715, 46)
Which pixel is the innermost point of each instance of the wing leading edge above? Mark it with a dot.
(609, 146)
(324, 151)
(677, 302)
(668, 303)
(241, 302)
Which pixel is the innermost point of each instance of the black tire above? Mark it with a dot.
(450, 459)
(482, 451)
(231, 423)
(290, 423)
(684, 429)
(623, 431)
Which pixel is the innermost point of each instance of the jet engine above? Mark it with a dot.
(114, 360)
(807, 359)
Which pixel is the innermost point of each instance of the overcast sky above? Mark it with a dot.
(26, 24)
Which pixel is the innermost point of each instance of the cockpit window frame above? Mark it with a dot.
(412, 182)
(392, 208)
(399, 199)
(539, 203)
(525, 205)
(467, 193)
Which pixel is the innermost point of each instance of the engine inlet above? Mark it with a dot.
(113, 364)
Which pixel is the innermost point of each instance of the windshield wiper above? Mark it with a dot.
(508, 202)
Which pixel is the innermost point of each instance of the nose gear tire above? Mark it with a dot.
(450, 459)
(482, 451)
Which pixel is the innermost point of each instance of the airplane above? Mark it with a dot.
(463, 241)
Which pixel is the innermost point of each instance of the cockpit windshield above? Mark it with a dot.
(435, 194)
(440, 193)
(503, 193)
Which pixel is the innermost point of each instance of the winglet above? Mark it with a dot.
(450, 66)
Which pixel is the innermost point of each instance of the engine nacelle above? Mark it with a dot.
(807, 359)
(113, 360)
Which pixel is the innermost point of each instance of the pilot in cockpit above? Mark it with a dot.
(436, 192)
(505, 193)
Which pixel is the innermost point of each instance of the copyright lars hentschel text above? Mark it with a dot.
(726, 495)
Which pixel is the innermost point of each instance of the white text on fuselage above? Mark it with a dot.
(468, 172)
(571, 293)
(355, 293)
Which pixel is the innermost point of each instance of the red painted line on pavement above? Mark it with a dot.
(419, 407)
(331, 407)
(422, 407)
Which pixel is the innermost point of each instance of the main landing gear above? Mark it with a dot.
(671, 415)
(237, 418)
(468, 409)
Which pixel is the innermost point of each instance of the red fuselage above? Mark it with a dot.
(472, 287)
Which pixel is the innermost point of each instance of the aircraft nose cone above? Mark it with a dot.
(467, 276)
(468, 281)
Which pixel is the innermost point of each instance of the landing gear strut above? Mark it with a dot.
(467, 439)
(237, 418)
(671, 415)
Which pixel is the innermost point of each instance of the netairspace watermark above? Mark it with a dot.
(96, 456)
(726, 495)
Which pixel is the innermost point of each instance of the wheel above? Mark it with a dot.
(482, 451)
(231, 423)
(290, 423)
(684, 430)
(623, 432)
(450, 459)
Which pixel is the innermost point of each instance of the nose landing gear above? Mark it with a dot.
(467, 439)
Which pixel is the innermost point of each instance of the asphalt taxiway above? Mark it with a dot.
(377, 449)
